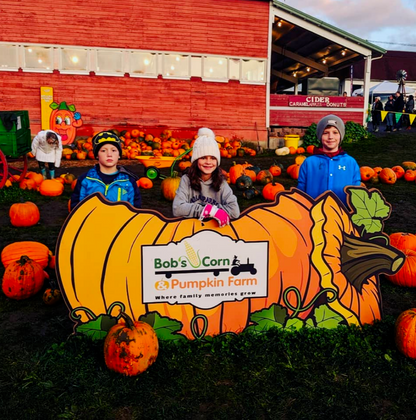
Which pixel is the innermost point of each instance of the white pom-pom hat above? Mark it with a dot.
(205, 145)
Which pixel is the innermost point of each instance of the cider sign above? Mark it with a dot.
(197, 272)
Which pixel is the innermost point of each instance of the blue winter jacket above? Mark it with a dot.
(320, 173)
(120, 186)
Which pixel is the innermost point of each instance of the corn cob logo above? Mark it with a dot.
(191, 256)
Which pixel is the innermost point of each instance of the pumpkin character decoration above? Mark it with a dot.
(65, 121)
(312, 248)
(24, 214)
(405, 333)
(130, 347)
(23, 278)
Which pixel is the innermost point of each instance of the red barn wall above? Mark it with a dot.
(223, 27)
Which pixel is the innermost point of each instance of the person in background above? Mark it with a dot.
(410, 105)
(345, 94)
(389, 117)
(330, 168)
(116, 183)
(203, 192)
(398, 108)
(376, 114)
(47, 149)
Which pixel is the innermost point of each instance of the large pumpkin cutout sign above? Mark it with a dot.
(292, 263)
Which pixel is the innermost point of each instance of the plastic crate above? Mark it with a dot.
(22, 123)
(16, 144)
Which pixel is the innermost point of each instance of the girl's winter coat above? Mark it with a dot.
(45, 152)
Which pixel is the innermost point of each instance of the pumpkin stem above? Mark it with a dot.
(129, 321)
(23, 260)
(362, 259)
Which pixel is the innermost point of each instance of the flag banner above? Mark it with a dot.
(412, 118)
(398, 116)
(383, 115)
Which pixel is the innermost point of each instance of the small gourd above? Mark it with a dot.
(282, 151)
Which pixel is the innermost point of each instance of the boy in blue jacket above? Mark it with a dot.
(115, 182)
(330, 168)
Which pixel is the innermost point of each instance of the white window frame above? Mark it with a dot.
(148, 75)
(106, 72)
(33, 69)
(16, 66)
(184, 55)
(195, 63)
(60, 52)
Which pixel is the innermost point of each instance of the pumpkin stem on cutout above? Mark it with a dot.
(362, 259)
(194, 326)
(23, 260)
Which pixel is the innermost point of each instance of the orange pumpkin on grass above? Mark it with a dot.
(405, 277)
(387, 176)
(23, 278)
(34, 250)
(399, 171)
(130, 347)
(297, 230)
(405, 333)
(403, 240)
(271, 189)
(24, 214)
(366, 173)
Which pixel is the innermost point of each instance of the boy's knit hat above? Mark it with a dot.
(332, 121)
(205, 145)
(105, 137)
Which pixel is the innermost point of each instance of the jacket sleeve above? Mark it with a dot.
(181, 203)
(302, 177)
(76, 194)
(58, 152)
(357, 174)
(229, 201)
(137, 198)
(35, 143)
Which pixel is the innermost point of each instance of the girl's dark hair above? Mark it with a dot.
(194, 175)
(51, 135)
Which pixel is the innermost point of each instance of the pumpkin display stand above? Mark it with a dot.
(290, 263)
(153, 164)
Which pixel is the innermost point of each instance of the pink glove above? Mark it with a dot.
(221, 216)
(208, 211)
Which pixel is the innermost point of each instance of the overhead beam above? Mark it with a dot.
(308, 62)
(284, 76)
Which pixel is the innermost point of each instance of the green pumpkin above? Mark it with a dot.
(250, 193)
(256, 169)
(243, 182)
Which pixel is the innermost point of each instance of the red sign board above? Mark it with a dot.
(318, 101)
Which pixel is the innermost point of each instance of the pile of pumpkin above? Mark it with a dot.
(47, 187)
(130, 347)
(136, 143)
(406, 171)
(25, 264)
(405, 328)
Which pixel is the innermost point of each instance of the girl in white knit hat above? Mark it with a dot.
(203, 191)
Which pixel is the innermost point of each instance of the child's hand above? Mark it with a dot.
(208, 211)
(222, 217)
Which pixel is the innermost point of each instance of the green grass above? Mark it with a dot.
(345, 373)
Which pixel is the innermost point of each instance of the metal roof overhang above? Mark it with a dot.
(303, 47)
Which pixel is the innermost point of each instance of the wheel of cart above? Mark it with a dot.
(15, 144)
(8, 168)
(153, 163)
